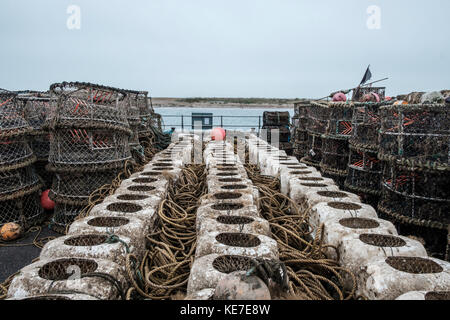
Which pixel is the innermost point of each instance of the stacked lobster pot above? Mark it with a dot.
(20, 186)
(276, 129)
(335, 148)
(231, 234)
(364, 167)
(415, 141)
(36, 107)
(90, 262)
(299, 133)
(317, 117)
(89, 147)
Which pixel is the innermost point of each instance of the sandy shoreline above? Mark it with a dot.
(177, 103)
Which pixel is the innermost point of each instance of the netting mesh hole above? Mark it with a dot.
(131, 197)
(141, 188)
(227, 195)
(359, 223)
(62, 269)
(124, 207)
(414, 265)
(344, 205)
(230, 180)
(233, 239)
(227, 206)
(234, 220)
(381, 240)
(108, 222)
(230, 263)
(86, 240)
(332, 194)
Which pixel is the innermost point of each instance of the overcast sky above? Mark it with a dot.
(226, 48)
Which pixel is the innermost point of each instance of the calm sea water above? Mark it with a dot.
(230, 118)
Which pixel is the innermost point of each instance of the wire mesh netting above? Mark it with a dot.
(19, 184)
(335, 154)
(22, 207)
(88, 147)
(89, 143)
(416, 135)
(314, 150)
(364, 172)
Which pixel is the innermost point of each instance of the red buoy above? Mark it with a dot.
(46, 202)
(339, 97)
(218, 134)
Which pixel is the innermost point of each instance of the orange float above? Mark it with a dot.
(46, 202)
(218, 134)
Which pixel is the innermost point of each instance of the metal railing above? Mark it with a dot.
(186, 122)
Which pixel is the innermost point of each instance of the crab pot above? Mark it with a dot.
(314, 150)
(364, 172)
(55, 276)
(246, 244)
(88, 147)
(276, 118)
(207, 271)
(360, 92)
(388, 278)
(15, 152)
(334, 161)
(22, 207)
(283, 133)
(416, 135)
(88, 105)
(340, 121)
(419, 203)
(64, 215)
(76, 187)
(366, 124)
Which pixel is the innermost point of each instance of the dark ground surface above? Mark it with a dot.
(13, 257)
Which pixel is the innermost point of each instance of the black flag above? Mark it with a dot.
(367, 76)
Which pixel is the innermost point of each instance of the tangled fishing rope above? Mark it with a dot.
(165, 267)
(312, 276)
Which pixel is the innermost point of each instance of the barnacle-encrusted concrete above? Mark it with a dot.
(147, 214)
(380, 281)
(324, 211)
(357, 255)
(425, 295)
(210, 211)
(224, 223)
(30, 283)
(335, 230)
(208, 244)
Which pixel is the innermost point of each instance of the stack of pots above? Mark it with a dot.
(274, 121)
